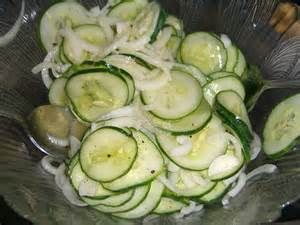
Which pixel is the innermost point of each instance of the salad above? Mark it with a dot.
(166, 127)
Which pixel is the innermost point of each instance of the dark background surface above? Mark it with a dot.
(9, 217)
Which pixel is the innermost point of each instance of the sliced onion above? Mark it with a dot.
(87, 188)
(163, 38)
(120, 112)
(225, 200)
(46, 78)
(46, 163)
(232, 179)
(11, 34)
(198, 179)
(236, 143)
(122, 27)
(192, 207)
(239, 185)
(160, 79)
(266, 168)
(71, 195)
(255, 147)
(108, 31)
(74, 146)
(184, 148)
(60, 176)
(226, 40)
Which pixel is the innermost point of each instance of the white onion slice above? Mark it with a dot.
(172, 167)
(46, 163)
(239, 185)
(157, 80)
(108, 31)
(163, 38)
(255, 146)
(74, 146)
(232, 179)
(46, 78)
(226, 40)
(11, 34)
(192, 207)
(71, 195)
(186, 179)
(60, 176)
(184, 148)
(167, 183)
(120, 112)
(266, 168)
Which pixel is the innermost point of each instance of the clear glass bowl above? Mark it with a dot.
(32, 192)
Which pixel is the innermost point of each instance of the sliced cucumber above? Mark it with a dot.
(212, 88)
(145, 24)
(72, 163)
(233, 113)
(92, 34)
(94, 94)
(168, 205)
(204, 51)
(234, 104)
(232, 58)
(147, 205)
(217, 75)
(227, 165)
(112, 201)
(139, 195)
(178, 98)
(207, 144)
(215, 194)
(62, 56)
(282, 129)
(159, 25)
(189, 124)
(190, 183)
(55, 18)
(107, 154)
(148, 164)
(127, 10)
(78, 177)
(194, 71)
(241, 64)
(57, 94)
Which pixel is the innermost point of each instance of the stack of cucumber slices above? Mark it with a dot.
(168, 123)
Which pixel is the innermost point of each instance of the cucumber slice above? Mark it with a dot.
(204, 51)
(92, 34)
(282, 129)
(107, 154)
(168, 205)
(159, 25)
(212, 88)
(57, 94)
(215, 194)
(127, 10)
(62, 56)
(147, 205)
(148, 164)
(56, 16)
(234, 104)
(139, 195)
(232, 58)
(203, 150)
(227, 165)
(192, 70)
(145, 24)
(96, 93)
(77, 177)
(184, 186)
(233, 113)
(217, 75)
(112, 201)
(241, 64)
(178, 98)
(72, 163)
(189, 124)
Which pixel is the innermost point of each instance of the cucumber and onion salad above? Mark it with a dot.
(169, 130)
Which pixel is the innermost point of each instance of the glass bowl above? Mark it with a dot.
(32, 192)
